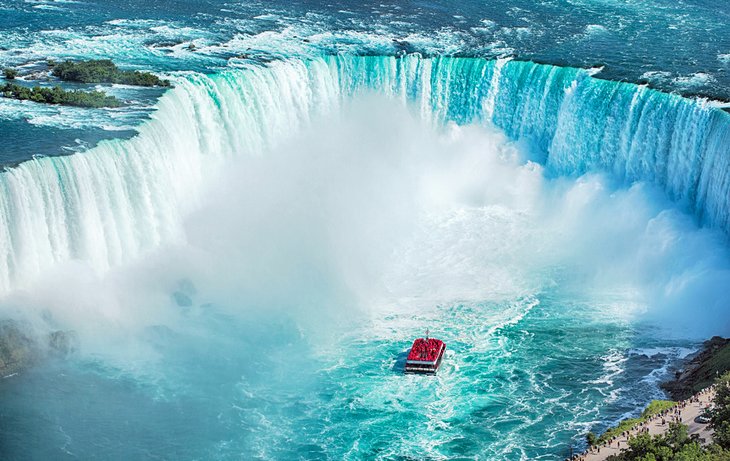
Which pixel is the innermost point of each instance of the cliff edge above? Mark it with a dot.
(700, 370)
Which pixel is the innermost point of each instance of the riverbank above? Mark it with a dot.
(685, 412)
(692, 390)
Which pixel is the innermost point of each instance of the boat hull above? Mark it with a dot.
(424, 367)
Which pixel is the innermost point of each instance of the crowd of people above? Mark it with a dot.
(663, 418)
(425, 349)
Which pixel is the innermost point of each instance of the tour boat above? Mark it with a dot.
(425, 355)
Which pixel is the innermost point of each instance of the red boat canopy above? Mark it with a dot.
(425, 350)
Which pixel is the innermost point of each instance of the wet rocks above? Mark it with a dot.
(17, 349)
(21, 348)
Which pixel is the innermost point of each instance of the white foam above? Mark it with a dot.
(674, 352)
(696, 80)
(595, 29)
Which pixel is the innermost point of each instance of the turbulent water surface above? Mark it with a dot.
(247, 257)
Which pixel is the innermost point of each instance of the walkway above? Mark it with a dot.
(686, 413)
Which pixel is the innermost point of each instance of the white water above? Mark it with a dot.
(268, 319)
(108, 207)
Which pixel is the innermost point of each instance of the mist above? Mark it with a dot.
(372, 211)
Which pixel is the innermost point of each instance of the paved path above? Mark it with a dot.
(690, 409)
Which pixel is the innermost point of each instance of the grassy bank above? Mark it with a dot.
(655, 407)
(676, 444)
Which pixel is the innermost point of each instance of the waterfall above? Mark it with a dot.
(124, 197)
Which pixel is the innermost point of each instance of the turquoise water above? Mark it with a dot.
(500, 394)
(244, 275)
(678, 47)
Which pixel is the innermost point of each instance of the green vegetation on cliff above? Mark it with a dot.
(57, 95)
(708, 371)
(103, 71)
(655, 407)
(9, 73)
(701, 370)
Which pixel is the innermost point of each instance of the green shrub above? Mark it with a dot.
(657, 406)
(720, 414)
(9, 73)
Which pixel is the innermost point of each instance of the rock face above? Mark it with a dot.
(62, 342)
(20, 348)
(701, 369)
(17, 349)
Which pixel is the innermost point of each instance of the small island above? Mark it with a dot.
(57, 95)
(90, 71)
(103, 71)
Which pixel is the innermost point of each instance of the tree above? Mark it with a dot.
(677, 445)
(677, 435)
(103, 71)
(720, 414)
(717, 453)
(10, 74)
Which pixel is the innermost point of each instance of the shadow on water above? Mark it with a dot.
(400, 362)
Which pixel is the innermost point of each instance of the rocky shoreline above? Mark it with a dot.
(698, 371)
(691, 390)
